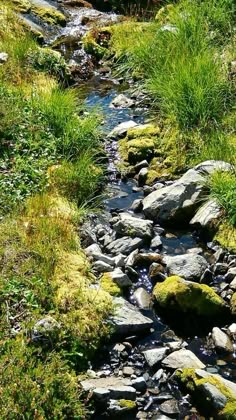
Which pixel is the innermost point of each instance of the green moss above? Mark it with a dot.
(109, 286)
(138, 149)
(91, 45)
(233, 304)
(49, 15)
(21, 5)
(130, 405)
(149, 130)
(184, 296)
(226, 236)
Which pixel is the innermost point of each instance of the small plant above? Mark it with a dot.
(223, 189)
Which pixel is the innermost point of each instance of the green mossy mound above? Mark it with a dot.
(50, 15)
(188, 297)
(95, 42)
(226, 236)
(194, 385)
(109, 286)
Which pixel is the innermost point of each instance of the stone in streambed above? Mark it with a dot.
(127, 319)
(102, 267)
(178, 202)
(142, 298)
(121, 129)
(124, 245)
(207, 215)
(221, 341)
(153, 356)
(156, 242)
(184, 296)
(122, 101)
(181, 359)
(145, 259)
(188, 266)
(121, 278)
(169, 407)
(156, 272)
(133, 226)
(142, 177)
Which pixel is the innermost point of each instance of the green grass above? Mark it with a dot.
(223, 189)
(182, 68)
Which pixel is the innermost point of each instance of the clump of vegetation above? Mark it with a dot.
(49, 166)
(223, 189)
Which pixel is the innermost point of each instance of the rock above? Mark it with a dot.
(142, 298)
(142, 177)
(179, 201)
(137, 205)
(156, 272)
(93, 249)
(189, 297)
(139, 384)
(141, 165)
(207, 215)
(127, 319)
(221, 341)
(206, 277)
(122, 101)
(156, 242)
(188, 266)
(231, 274)
(120, 260)
(124, 245)
(123, 392)
(131, 258)
(121, 278)
(128, 371)
(169, 407)
(133, 226)
(153, 356)
(46, 329)
(232, 330)
(121, 129)
(145, 259)
(102, 267)
(104, 258)
(101, 395)
(220, 268)
(217, 395)
(216, 398)
(181, 359)
(233, 304)
(3, 57)
(104, 383)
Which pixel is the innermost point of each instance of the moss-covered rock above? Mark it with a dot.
(188, 297)
(95, 42)
(233, 304)
(195, 382)
(50, 15)
(135, 150)
(226, 236)
(146, 130)
(109, 286)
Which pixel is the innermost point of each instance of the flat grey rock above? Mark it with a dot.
(121, 129)
(153, 356)
(128, 319)
(181, 359)
(207, 214)
(135, 227)
(124, 245)
(188, 266)
(121, 278)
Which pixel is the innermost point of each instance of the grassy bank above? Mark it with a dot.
(49, 172)
(185, 60)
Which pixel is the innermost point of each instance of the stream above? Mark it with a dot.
(123, 357)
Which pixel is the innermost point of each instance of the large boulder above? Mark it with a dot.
(133, 226)
(189, 297)
(179, 201)
(188, 266)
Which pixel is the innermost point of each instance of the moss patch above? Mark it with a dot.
(178, 294)
(109, 286)
(21, 5)
(130, 405)
(49, 15)
(95, 42)
(226, 236)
